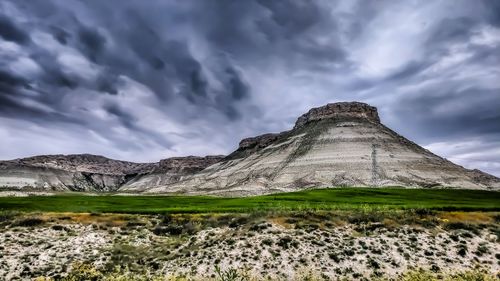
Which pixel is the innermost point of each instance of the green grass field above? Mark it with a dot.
(318, 199)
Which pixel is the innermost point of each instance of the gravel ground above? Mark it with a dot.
(271, 248)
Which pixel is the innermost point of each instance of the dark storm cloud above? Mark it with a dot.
(125, 118)
(409, 70)
(11, 32)
(92, 41)
(471, 109)
(147, 79)
(477, 114)
(492, 12)
(8, 81)
(61, 35)
(238, 87)
(452, 30)
(108, 83)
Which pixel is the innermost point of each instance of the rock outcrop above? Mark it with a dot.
(339, 144)
(340, 111)
(85, 172)
(169, 171)
(83, 163)
(188, 164)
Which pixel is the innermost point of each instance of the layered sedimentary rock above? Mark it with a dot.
(170, 171)
(84, 172)
(79, 172)
(340, 144)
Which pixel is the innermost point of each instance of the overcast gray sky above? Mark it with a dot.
(145, 80)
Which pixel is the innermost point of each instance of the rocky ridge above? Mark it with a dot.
(86, 172)
(170, 171)
(82, 163)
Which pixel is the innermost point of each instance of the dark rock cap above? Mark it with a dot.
(332, 110)
(340, 110)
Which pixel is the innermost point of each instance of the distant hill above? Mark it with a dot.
(85, 172)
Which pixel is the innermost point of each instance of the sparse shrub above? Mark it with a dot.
(135, 224)
(372, 263)
(27, 222)
(6, 216)
(349, 252)
(435, 268)
(238, 221)
(159, 230)
(334, 256)
(364, 217)
(461, 225)
(429, 223)
(424, 212)
(462, 251)
(189, 228)
(258, 227)
(172, 229)
(466, 234)
(496, 218)
(291, 220)
(454, 237)
(230, 274)
(166, 219)
(482, 249)
(267, 242)
(59, 227)
(83, 271)
(287, 242)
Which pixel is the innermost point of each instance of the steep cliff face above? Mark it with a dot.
(340, 144)
(339, 110)
(85, 172)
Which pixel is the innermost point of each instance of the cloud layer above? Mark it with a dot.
(144, 80)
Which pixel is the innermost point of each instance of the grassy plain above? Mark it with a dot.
(315, 199)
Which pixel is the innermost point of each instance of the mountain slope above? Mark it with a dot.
(340, 144)
(169, 171)
(79, 172)
(85, 172)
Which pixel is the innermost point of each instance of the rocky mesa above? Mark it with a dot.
(339, 144)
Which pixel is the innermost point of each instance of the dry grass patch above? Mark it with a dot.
(468, 217)
(109, 220)
(281, 221)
